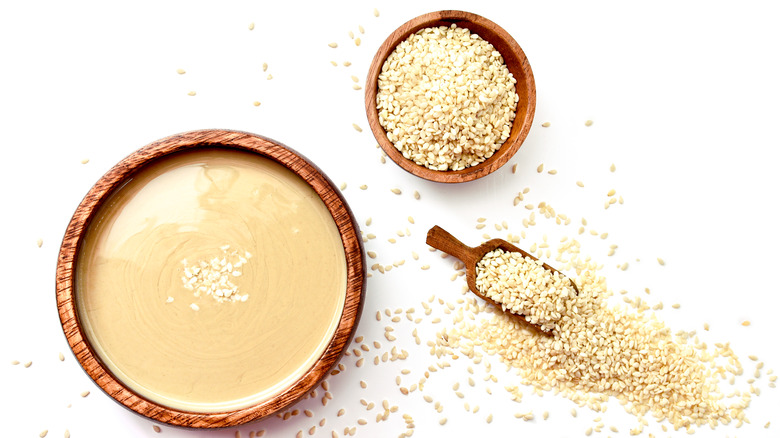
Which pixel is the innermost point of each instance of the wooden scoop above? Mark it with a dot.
(446, 242)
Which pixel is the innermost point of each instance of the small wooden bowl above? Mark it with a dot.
(124, 170)
(513, 57)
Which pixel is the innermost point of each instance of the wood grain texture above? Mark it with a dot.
(115, 178)
(444, 241)
(516, 61)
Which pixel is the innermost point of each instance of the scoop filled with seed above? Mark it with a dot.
(511, 278)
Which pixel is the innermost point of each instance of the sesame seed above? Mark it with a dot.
(333, 45)
(546, 125)
(357, 128)
(588, 122)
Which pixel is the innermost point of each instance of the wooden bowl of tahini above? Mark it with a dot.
(513, 57)
(210, 279)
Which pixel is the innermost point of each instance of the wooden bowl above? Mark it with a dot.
(67, 295)
(515, 60)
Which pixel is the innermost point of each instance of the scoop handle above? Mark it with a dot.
(446, 242)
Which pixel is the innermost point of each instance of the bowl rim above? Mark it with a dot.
(115, 178)
(519, 130)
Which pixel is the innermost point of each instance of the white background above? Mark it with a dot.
(685, 102)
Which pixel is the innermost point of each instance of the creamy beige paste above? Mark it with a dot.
(191, 350)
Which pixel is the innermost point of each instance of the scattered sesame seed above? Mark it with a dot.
(588, 122)
(397, 191)
(443, 421)
(376, 12)
(333, 45)
(191, 93)
(546, 125)
(357, 128)
(540, 168)
(746, 323)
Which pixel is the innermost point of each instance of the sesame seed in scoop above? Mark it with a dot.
(522, 285)
(511, 278)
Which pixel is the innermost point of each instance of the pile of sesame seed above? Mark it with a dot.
(446, 99)
(213, 277)
(524, 287)
(600, 350)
